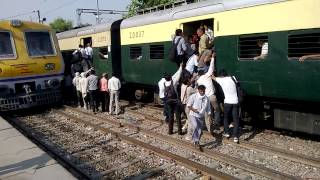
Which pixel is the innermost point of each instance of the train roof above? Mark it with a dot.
(24, 24)
(85, 30)
(191, 10)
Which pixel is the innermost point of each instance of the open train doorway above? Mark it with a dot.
(190, 28)
(85, 41)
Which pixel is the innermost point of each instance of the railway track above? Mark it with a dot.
(92, 154)
(289, 155)
(209, 153)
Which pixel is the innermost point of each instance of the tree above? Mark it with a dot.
(137, 5)
(61, 25)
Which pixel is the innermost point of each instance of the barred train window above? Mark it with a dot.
(7, 50)
(103, 53)
(303, 44)
(156, 51)
(250, 47)
(39, 43)
(135, 52)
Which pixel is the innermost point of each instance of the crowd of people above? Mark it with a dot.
(93, 92)
(195, 92)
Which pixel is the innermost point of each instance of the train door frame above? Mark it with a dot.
(194, 25)
(85, 40)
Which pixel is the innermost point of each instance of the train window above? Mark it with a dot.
(39, 43)
(136, 52)
(253, 47)
(7, 49)
(157, 51)
(304, 45)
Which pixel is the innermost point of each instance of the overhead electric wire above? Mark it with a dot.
(14, 16)
(59, 7)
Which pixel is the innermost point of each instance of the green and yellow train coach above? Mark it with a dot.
(276, 83)
(106, 57)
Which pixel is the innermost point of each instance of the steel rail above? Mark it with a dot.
(165, 154)
(69, 165)
(292, 156)
(250, 167)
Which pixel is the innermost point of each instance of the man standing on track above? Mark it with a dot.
(114, 86)
(93, 90)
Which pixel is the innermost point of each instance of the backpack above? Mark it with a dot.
(170, 92)
(240, 92)
(173, 50)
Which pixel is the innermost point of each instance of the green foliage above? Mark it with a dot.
(137, 5)
(61, 25)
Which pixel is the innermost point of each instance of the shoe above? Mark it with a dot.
(231, 125)
(226, 135)
(197, 145)
(188, 138)
(236, 140)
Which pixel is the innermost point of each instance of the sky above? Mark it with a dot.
(52, 9)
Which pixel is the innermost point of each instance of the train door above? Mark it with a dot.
(190, 28)
(85, 41)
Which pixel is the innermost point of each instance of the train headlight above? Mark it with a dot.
(49, 66)
(15, 23)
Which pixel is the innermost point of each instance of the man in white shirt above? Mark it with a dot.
(231, 102)
(89, 53)
(206, 80)
(192, 62)
(199, 105)
(162, 98)
(114, 86)
(264, 50)
(172, 99)
(76, 83)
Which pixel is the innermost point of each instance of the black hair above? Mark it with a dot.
(223, 73)
(92, 72)
(185, 80)
(80, 46)
(167, 77)
(201, 87)
(178, 32)
(201, 72)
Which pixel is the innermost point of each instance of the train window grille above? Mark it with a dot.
(39, 43)
(7, 48)
(156, 52)
(135, 53)
(249, 48)
(103, 53)
(303, 44)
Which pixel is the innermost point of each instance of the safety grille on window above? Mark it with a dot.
(135, 53)
(303, 44)
(156, 52)
(248, 46)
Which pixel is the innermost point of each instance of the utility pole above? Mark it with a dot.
(39, 17)
(98, 13)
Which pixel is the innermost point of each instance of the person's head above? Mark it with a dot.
(88, 44)
(223, 73)
(178, 32)
(200, 32)
(186, 81)
(196, 53)
(80, 46)
(105, 75)
(114, 74)
(201, 72)
(92, 71)
(77, 74)
(205, 27)
(201, 90)
(167, 77)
